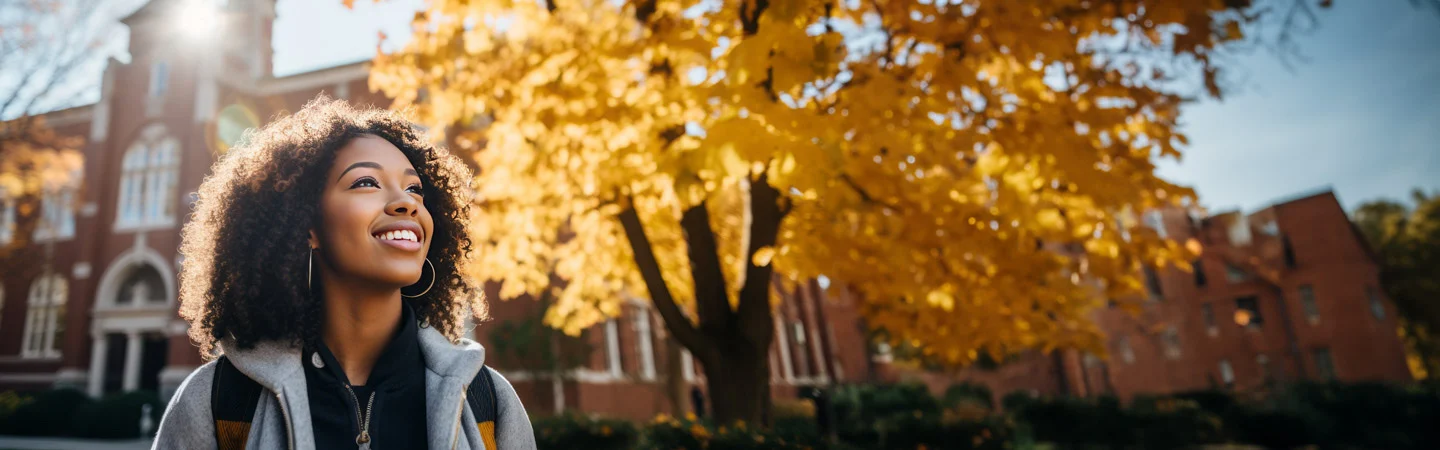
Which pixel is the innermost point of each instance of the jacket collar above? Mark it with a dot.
(450, 366)
(276, 365)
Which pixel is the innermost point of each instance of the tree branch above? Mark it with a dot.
(712, 303)
(675, 320)
(767, 213)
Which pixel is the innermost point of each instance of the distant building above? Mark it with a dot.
(88, 288)
(1290, 292)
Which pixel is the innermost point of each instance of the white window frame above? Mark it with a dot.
(7, 220)
(1227, 372)
(612, 349)
(1308, 305)
(147, 191)
(1377, 307)
(1127, 353)
(1170, 338)
(643, 345)
(159, 79)
(57, 216)
(45, 317)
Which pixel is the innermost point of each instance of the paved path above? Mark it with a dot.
(46, 443)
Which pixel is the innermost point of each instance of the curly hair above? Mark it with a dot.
(246, 250)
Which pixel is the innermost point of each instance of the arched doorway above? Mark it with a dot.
(130, 347)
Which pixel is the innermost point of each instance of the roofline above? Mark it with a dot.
(316, 78)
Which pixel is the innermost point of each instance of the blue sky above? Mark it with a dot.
(1360, 116)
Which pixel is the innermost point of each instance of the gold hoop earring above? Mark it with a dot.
(433, 275)
(310, 269)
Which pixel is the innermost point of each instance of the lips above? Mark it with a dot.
(401, 235)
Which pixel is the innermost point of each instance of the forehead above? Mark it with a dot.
(370, 148)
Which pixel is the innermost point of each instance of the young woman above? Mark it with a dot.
(324, 268)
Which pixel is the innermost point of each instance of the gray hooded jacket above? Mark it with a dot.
(282, 419)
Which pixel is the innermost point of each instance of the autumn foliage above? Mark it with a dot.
(972, 169)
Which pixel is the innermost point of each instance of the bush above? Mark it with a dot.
(1272, 428)
(967, 394)
(1367, 415)
(669, 433)
(577, 431)
(48, 415)
(117, 416)
(9, 402)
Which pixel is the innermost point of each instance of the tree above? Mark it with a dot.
(970, 168)
(49, 52)
(1407, 243)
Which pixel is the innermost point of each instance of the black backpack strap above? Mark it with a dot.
(483, 402)
(233, 398)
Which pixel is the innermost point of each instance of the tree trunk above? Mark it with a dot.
(676, 388)
(739, 385)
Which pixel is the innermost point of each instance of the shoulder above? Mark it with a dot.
(187, 421)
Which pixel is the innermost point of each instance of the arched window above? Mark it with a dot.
(45, 319)
(142, 287)
(147, 181)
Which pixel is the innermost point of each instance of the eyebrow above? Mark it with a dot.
(371, 165)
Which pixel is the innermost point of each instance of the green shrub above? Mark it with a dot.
(1176, 424)
(48, 415)
(1368, 415)
(9, 402)
(969, 393)
(577, 431)
(1273, 429)
(117, 416)
(668, 433)
(1016, 400)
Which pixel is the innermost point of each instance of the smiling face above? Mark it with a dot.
(374, 228)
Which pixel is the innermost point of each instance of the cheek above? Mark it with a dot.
(344, 222)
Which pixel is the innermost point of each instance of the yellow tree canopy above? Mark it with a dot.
(971, 168)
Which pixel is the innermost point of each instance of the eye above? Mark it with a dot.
(416, 189)
(364, 182)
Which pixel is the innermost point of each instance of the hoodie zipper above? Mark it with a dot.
(363, 439)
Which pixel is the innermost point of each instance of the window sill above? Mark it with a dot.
(136, 227)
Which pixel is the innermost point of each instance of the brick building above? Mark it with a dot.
(1286, 293)
(88, 292)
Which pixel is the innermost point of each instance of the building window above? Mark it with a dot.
(1227, 373)
(147, 183)
(644, 345)
(1152, 284)
(1289, 252)
(1207, 313)
(7, 220)
(45, 319)
(1170, 339)
(1156, 221)
(1307, 304)
(57, 215)
(1377, 307)
(1239, 231)
(159, 79)
(612, 349)
(1234, 274)
(1247, 312)
(1199, 272)
(1324, 363)
(1127, 354)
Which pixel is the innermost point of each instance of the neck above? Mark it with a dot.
(359, 322)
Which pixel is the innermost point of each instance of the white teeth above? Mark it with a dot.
(399, 235)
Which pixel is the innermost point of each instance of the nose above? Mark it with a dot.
(403, 205)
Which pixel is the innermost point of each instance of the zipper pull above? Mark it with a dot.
(363, 440)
